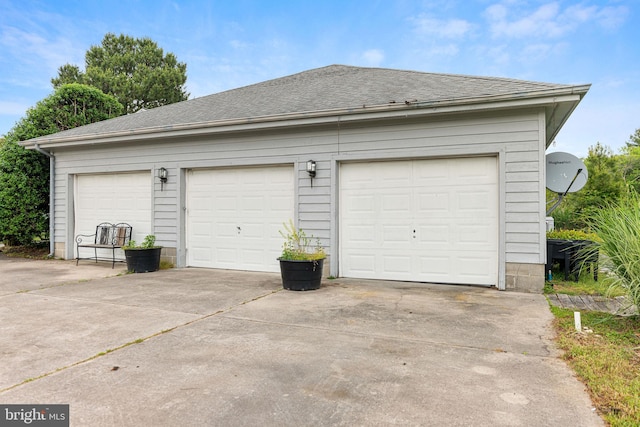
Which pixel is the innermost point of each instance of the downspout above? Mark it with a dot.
(52, 169)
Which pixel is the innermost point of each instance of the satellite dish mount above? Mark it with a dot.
(565, 174)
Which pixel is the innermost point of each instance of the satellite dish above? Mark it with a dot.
(565, 173)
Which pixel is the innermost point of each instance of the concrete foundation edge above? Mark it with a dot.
(522, 277)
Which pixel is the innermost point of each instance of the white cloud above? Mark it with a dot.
(443, 50)
(373, 57)
(538, 52)
(238, 44)
(499, 54)
(439, 28)
(612, 17)
(539, 23)
(549, 20)
(33, 49)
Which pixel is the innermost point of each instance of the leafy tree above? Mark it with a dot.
(24, 191)
(67, 74)
(24, 174)
(629, 164)
(135, 71)
(634, 139)
(606, 184)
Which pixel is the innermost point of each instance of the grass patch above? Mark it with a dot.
(165, 265)
(585, 285)
(606, 360)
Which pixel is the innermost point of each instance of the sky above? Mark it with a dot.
(232, 43)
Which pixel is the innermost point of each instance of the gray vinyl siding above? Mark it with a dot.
(515, 138)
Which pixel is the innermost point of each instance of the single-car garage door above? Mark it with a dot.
(234, 216)
(420, 220)
(117, 197)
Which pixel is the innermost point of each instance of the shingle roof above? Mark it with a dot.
(321, 89)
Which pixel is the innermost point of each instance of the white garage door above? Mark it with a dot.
(422, 220)
(118, 197)
(234, 216)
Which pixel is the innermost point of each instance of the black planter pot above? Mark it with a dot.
(143, 260)
(301, 275)
(572, 255)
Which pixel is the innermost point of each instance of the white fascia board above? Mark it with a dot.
(376, 112)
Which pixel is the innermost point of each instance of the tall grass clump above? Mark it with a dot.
(618, 226)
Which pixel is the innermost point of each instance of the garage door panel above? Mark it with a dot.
(280, 204)
(450, 203)
(396, 265)
(203, 229)
(225, 258)
(394, 234)
(438, 267)
(474, 234)
(253, 257)
(223, 204)
(253, 230)
(429, 203)
(395, 204)
(246, 208)
(436, 234)
(224, 230)
(119, 197)
(474, 200)
(201, 253)
(252, 205)
(472, 269)
(355, 203)
(361, 235)
(432, 177)
(363, 265)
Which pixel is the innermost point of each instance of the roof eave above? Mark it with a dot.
(550, 97)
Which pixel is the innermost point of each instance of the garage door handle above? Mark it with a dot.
(238, 230)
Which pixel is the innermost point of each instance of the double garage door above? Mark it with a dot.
(422, 220)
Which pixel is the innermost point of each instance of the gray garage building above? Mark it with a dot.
(418, 176)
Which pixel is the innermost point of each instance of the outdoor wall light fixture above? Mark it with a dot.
(311, 170)
(163, 174)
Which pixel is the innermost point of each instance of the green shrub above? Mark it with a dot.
(24, 194)
(565, 217)
(572, 235)
(618, 226)
(149, 242)
(297, 245)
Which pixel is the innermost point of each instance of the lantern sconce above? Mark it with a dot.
(311, 170)
(163, 174)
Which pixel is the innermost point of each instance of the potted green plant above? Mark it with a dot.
(143, 258)
(301, 261)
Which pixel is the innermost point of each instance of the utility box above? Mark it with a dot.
(550, 223)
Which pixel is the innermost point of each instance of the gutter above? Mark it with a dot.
(550, 96)
(52, 169)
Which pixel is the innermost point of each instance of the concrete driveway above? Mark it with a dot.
(198, 347)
